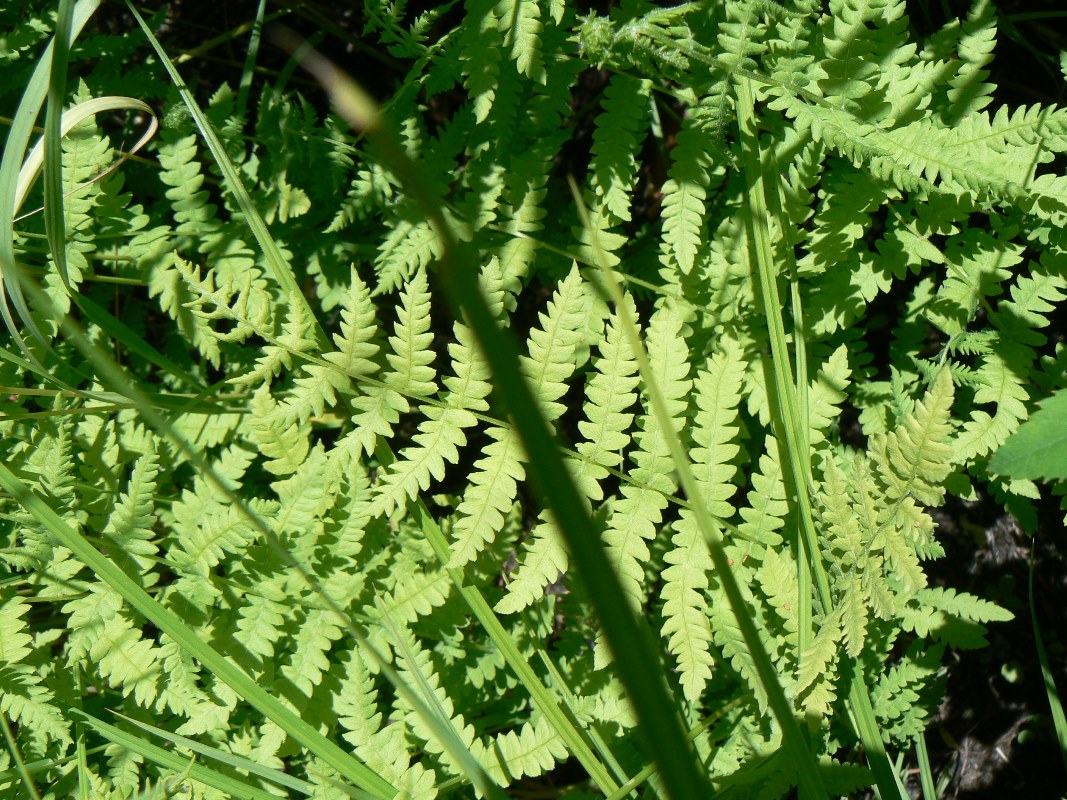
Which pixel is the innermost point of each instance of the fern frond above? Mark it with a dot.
(616, 142)
(916, 459)
(969, 93)
(520, 22)
(765, 513)
(442, 432)
(283, 439)
(951, 617)
(638, 514)
(686, 622)
(317, 385)
(315, 634)
(411, 374)
(684, 195)
(130, 524)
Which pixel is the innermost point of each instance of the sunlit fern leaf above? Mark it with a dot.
(951, 617)
(969, 93)
(316, 633)
(411, 374)
(520, 22)
(442, 430)
(683, 197)
(548, 365)
(552, 351)
(815, 673)
(482, 54)
(282, 439)
(126, 660)
(23, 697)
(685, 582)
(903, 696)
(727, 634)
(916, 458)
(765, 513)
(318, 385)
(616, 142)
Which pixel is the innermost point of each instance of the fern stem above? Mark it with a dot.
(762, 253)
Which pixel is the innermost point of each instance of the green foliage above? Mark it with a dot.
(1038, 450)
(917, 226)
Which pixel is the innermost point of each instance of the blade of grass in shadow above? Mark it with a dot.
(788, 413)
(926, 776)
(637, 780)
(811, 785)
(279, 268)
(1059, 722)
(250, 59)
(229, 785)
(637, 661)
(54, 220)
(15, 146)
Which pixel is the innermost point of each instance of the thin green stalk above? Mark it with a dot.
(231, 760)
(16, 756)
(764, 272)
(1059, 721)
(44, 764)
(926, 775)
(229, 786)
(636, 660)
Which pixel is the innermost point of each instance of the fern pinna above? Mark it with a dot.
(896, 183)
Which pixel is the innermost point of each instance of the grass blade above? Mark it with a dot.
(1059, 721)
(762, 253)
(231, 786)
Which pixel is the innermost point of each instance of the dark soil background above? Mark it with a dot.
(993, 737)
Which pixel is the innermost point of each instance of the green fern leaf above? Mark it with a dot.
(683, 197)
(685, 610)
(616, 141)
(638, 513)
(131, 521)
(765, 514)
(916, 459)
(282, 439)
(520, 22)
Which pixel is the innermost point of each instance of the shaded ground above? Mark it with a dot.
(993, 737)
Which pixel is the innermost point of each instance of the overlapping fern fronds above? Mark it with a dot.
(294, 283)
